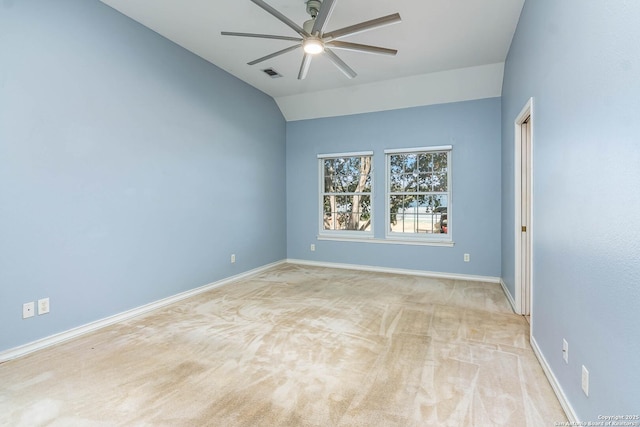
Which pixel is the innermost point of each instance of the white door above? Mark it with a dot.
(523, 221)
(525, 214)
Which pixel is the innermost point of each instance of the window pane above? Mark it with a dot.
(440, 162)
(424, 179)
(397, 163)
(364, 206)
(329, 166)
(424, 162)
(352, 164)
(439, 181)
(440, 208)
(327, 224)
(424, 182)
(343, 204)
(407, 222)
(327, 203)
(328, 183)
(346, 204)
(395, 203)
(346, 183)
(411, 163)
(425, 223)
(365, 184)
(397, 225)
(396, 184)
(422, 214)
(328, 174)
(422, 204)
(410, 182)
(329, 210)
(341, 221)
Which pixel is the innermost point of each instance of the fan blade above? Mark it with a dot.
(273, 55)
(304, 67)
(262, 36)
(362, 27)
(340, 63)
(295, 27)
(355, 47)
(323, 16)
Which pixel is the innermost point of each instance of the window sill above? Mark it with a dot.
(389, 241)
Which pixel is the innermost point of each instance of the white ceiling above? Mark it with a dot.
(434, 36)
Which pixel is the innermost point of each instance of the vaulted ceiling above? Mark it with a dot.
(435, 36)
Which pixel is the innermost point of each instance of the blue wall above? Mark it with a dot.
(130, 169)
(473, 128)
(580, 61)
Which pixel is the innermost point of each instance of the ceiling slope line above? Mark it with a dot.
(462, 84)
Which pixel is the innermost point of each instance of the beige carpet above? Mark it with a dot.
(296, 346)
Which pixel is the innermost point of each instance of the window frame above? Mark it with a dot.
(424, 238)
(343, 234)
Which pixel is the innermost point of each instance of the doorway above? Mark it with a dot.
(523, 207)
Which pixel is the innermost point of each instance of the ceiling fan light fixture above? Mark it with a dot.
(313, 45)
(313, 36)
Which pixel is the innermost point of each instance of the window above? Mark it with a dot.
(418, 193)
(345, 194)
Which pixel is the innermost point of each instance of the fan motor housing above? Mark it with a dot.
(313, 7)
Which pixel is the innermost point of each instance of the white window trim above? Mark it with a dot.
(436, 239)
(351, 154)
(415, 242)
(419, 149)
(342, 234)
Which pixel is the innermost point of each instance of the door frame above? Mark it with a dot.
(521, 290)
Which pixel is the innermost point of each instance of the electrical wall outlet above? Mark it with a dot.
(28, 309)
(43, 306)
(466, 258)
(565, 351)
(585, 381)
(233, 258)
(313, 247)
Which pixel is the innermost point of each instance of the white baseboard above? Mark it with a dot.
(423, 273)
(125, 315)
(555, 385)
(508, 295)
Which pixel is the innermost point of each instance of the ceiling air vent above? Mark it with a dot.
(272, 73)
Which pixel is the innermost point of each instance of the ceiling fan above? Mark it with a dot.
(314, 40)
